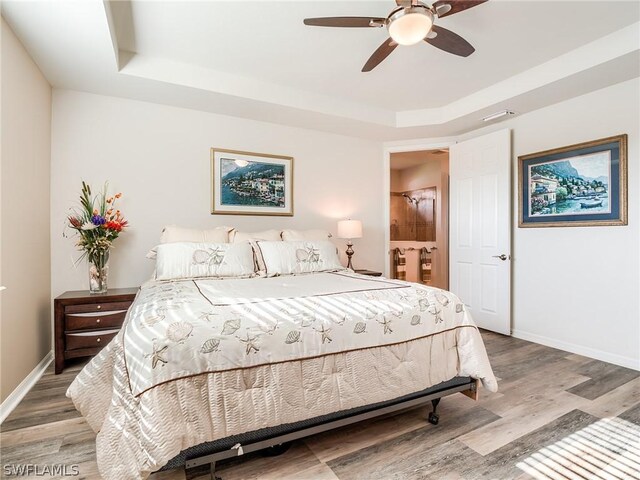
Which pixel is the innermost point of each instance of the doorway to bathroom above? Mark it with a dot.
(419, 213)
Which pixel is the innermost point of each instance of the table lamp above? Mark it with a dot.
(349, 229)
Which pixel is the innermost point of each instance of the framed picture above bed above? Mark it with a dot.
(248, 183)
(580, 185)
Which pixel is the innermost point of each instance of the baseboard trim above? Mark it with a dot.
(620, 360)
(15, 397)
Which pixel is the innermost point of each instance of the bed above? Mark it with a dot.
(205, 368)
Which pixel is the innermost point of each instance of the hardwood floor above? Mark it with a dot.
(557, 416)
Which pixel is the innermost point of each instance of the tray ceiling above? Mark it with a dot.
(258, 60)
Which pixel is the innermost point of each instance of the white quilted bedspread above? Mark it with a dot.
(201, 360)
(179, 329)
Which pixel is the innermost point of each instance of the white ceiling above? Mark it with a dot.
(258, 60)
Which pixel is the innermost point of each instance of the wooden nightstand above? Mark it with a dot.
(85, 323)
(370, 273)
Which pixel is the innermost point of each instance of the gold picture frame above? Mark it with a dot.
(251, 183)
(591, 191)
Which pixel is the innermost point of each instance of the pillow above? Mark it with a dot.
(288, 258)
(197, 260)
(252, 238)
(267, 235)
(173, 234)
(298, 235)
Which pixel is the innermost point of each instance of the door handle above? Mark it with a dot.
(502, 257)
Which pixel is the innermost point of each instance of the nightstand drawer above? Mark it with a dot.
(97, 338)
(93, 320)
(97, 307)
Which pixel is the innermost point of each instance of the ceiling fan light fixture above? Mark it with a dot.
(408, 26)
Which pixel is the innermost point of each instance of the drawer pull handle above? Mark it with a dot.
(98, 340)
(98, 321)
(99, 307)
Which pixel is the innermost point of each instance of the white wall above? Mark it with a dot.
(25, 318)
(578, 288)
(158, 156)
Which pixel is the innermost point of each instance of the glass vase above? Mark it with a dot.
(98, 273)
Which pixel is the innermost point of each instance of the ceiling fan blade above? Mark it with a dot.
(404, 3)
(449, 42)
(357, 22)
(379, 55)
(444, 8)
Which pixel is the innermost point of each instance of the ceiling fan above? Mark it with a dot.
(410, 23)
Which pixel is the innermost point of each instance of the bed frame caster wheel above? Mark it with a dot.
(433, 418)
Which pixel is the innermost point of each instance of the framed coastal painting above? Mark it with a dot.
(576, 186)
(248, 183)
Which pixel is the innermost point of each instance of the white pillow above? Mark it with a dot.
(287, 258)
(196, 260)
(266, 235)
(173, 234)
(252, 238)
(298, 235)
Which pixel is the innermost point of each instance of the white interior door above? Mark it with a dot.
(480, 228)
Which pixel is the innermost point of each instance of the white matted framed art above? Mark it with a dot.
(249, 183)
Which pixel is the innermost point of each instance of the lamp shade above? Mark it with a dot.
(349, 229)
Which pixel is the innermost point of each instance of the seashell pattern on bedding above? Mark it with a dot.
(193, 326)
(335, 337)
(210, 345)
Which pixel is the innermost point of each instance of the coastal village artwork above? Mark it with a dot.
(578, 185)
(251, 183)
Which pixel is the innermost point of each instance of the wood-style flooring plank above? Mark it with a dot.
(320, 471)
(617, 401)
(524, 359)
(632, 415)
(524, 418)
(329, 445)
(44, 431)
(534, 386)
(604, 377)
(401, 453)
(503, 463)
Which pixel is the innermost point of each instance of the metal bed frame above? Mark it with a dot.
(278, 438)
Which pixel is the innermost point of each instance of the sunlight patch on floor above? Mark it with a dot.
(608, 449)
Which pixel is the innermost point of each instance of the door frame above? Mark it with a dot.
(399, 147)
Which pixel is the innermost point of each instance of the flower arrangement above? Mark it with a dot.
(98, 223)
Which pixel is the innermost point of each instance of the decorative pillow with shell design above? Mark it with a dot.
(199, 260)
(290, 258)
